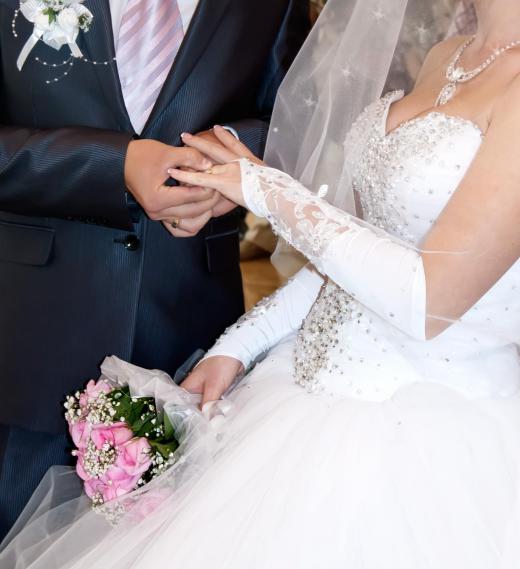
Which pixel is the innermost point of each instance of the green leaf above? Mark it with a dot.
(122, 403)
(51, 14)
(165, 449)
(145, 426)
(143, 421)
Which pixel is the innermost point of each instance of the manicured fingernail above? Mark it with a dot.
(171, 170)
(185, 135)
(217, 126)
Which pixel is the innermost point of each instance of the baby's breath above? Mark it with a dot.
(97, 461)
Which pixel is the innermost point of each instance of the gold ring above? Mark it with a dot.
(209, 171)
(175, 222)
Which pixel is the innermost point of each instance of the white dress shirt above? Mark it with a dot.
(186, 7)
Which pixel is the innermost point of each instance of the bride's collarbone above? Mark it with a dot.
(475, 101)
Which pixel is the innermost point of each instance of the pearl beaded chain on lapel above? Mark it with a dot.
(65, 66)
(456, 74)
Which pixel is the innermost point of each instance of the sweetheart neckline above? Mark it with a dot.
(419, 118)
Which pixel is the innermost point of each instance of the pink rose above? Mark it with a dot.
(115, 435)
(83, 401)
(117, 483)
(132, 461)
(80, 433)
(114, 483)
(134, 457)
(92, 391)
(94, 486)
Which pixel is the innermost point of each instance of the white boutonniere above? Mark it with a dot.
(56, 23)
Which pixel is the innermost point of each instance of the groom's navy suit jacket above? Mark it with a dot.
(83, 273)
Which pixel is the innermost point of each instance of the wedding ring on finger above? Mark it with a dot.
(175, 222)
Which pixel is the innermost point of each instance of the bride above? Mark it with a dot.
(382, 429)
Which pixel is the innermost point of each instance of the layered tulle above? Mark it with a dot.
(425, 480)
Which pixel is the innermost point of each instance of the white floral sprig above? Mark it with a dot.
(56, 23)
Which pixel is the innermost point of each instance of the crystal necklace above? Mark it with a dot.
(456, 74)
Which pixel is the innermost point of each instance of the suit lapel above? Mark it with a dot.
(204, 22)
(99, 46)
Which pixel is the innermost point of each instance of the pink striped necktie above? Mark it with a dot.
(150, 36)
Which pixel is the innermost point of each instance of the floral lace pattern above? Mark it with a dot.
(304, 220)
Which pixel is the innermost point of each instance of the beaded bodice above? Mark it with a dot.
(404, 178)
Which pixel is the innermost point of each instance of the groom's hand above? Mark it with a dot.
(146, 171)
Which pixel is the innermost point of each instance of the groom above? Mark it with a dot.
(91, 259)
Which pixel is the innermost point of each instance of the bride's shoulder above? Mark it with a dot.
(440, 55)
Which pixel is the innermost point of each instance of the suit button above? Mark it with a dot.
(131, 242)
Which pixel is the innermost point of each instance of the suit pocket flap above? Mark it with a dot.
(25, 244)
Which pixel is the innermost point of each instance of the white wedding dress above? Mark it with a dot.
(388, 451)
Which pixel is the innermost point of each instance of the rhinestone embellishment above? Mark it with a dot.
(446, 95)
(319, 334)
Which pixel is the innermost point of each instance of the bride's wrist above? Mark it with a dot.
(228, 358)
(254, 198)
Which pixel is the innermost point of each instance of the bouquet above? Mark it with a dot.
(122, 441)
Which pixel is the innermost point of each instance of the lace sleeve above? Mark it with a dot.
(381, 273)
(272, 319)
(304, 220)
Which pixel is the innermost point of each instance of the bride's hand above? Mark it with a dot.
(225, 177)
(212, 377)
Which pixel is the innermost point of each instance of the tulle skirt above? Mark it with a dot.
(425, 480)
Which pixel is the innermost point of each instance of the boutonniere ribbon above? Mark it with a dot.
(56, 23)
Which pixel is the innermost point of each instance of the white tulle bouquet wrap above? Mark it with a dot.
(129, 427)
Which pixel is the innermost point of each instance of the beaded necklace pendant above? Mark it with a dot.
(455, 74)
